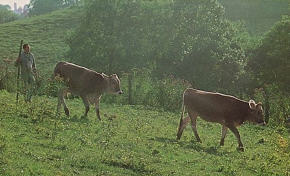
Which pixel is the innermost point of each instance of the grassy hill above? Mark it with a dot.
(46, 34)
(130, 140)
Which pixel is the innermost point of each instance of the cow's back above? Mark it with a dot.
(79, 79)
(68, 70)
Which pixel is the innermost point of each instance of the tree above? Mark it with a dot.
(203, 46)
(6, 15)
(38, 7)
(111, 37)
(7, 7)
(191, 40)
(270, 61)
(270, 64)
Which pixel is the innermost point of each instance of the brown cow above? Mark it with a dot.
(86, 83)
(227, 110)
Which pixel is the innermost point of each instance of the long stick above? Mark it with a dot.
(18, 72)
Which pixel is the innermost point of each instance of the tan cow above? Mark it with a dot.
(86, 83)
(227, 110)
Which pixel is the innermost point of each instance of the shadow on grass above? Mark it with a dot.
(140, 170)
(75, 118)
(213, 150)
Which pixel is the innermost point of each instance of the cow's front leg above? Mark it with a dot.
(237, 134)
(182, 125)
(224, 133)
(97, 105)
(193, 117)
(87, 105)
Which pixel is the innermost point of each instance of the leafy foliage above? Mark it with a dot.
(271, 59)
(6, 15)
(180, 38)
(38, 7)
(203, 41)
(111, 36)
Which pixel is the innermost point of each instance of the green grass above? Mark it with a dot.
(130, 140)
(46, 34)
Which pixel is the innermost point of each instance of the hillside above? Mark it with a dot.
(130, 140)
(46, 34)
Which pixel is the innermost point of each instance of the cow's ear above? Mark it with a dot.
(259, 106)
(252, 104)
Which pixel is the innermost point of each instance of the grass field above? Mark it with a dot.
(130, 140)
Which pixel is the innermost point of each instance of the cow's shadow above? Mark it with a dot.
(192, 145)
(75, 118)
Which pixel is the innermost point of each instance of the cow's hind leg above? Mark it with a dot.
(61, 101)
(87, 105)
(237, 134)
(224, 133)
(97, 105)
(193, 117)
(58, 105)
(182, 125)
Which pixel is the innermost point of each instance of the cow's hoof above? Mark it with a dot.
(66, 112)
(178, 135)
(240, 149)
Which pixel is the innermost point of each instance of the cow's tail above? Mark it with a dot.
(182, 112)
(179, 131)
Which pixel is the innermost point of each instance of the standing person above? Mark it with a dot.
(28, 70)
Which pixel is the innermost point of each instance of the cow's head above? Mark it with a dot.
(257, 114)
(114, 85)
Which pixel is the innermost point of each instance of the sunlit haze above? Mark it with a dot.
(20, 3)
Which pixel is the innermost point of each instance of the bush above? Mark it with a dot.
(165, 93)
(7, 15)
(276, 104)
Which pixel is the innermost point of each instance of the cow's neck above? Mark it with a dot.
(106, 83)
(249, 112)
